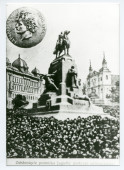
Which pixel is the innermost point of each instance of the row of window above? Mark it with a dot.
(24, 81)
(94, 80)
(28, 97)
(107, 90)
(100, 79)
(27, 89)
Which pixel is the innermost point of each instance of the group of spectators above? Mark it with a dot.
(112, 110)
(38, 137)
(13, 112)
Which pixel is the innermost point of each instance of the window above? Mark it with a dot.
(101, 78)
(106, 77)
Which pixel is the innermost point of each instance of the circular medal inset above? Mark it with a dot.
(26, 27)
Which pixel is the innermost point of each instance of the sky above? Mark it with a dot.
(94, 30)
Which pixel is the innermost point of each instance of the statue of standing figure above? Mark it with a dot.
(63, 44)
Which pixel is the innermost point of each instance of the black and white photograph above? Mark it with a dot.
(62, 84)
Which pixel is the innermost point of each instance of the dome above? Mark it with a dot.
(7, 62)
(20, 64)
(35, 71)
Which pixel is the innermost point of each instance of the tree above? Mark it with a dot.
(117, 83)
(113, 91)
(115, 94)
(19, 101)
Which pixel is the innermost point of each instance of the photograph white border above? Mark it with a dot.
(3, 78)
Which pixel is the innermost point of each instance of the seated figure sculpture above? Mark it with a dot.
(72, 73)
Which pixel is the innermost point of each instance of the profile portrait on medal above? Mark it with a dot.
(25, 25)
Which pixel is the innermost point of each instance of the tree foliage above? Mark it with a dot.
(19, 101)
(115, 92)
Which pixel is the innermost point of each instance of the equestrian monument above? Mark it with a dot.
(63, 89)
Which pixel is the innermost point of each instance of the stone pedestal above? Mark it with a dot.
(64, 100)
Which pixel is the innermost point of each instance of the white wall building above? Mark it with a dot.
(20, 81)
(99, 83)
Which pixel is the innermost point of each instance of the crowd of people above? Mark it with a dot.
(17, 112)
(112, 110)
(41, 137)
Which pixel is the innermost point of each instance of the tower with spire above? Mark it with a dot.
(104, 62)
(90, 68)
(99, 82)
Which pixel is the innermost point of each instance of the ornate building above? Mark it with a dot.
(21, 81)
(99, 83)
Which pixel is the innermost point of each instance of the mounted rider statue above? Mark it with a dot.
(63, 44)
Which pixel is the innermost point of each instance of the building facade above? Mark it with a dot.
(20, 81)
(99, 83)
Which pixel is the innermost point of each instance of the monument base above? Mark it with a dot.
(68, 97)
(66, 104)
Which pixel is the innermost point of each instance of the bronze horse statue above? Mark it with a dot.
(63, 44)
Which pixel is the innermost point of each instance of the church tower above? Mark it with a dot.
(105, 80)
(90, 69)
(104, 62)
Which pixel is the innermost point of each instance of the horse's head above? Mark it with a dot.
(66, 32)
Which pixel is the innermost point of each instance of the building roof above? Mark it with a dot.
(35, 71)
(17, 67)
(104, 69)
(19, 63)
(104, 60)
(90, 67)
(94, 73)
(26, 74)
